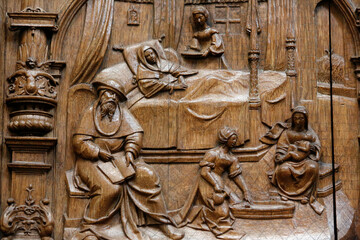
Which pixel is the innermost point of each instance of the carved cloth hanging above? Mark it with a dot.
(94, 42)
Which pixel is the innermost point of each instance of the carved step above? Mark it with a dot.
(325, 187)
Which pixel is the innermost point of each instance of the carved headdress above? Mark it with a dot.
(123, 122)
(225, 133)
(201, 10)
(142, 58)
(301, 109)
(109, 84)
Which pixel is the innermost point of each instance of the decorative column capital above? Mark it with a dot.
(33, 19)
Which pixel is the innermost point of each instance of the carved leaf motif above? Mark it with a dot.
(31, 219)
(20, 83)
(42, 85)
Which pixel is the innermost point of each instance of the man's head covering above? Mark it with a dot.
(110, 84)
(300, 109)
(201, 10)
(225, 133)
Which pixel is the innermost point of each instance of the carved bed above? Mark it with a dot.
(190, 119)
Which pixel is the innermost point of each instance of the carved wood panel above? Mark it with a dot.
(188, 119)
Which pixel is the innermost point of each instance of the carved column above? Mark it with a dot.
(357, 14)
(356, 62)
(32, 89)
(31, 98)
(253, 27)
(291, 73)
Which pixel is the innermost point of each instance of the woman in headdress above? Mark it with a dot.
(213, 212)
(155, 74)
(206, 39)
(297, 158)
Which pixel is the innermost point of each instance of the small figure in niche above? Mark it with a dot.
(298, 152)
(206, 40)
(155, 74)
(214, 196)
(133, 16)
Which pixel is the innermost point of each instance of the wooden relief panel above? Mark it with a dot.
(159, 119)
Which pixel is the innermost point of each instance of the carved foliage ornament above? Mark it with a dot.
(31, 94)
(29, 219)
(31, 80)
(31, 90)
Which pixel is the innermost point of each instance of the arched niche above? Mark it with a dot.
(344, 42)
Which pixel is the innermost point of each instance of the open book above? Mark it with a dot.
(116, 170)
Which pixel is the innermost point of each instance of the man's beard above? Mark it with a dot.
(108, 109)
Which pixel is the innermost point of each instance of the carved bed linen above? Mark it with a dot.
(188, 119)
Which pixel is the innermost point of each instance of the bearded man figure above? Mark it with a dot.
(108, 131)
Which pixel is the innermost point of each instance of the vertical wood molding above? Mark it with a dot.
(291, 72)
(253, 27)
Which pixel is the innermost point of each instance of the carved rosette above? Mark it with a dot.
(29, 220)
(32, 89)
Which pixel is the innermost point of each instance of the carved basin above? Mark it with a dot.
(31, 115)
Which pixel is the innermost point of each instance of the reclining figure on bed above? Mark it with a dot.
(155, 74)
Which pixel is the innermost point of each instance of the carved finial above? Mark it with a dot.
(29, 200)
(45, 201)
(10, 201)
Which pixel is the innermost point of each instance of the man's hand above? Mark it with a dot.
(129, 158)
(105, 156)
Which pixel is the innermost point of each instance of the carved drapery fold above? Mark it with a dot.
(66, 16)
(94, 40)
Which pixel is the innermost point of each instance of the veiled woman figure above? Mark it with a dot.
(155, 74)
(205, 39)
(211, 210)
(297, 158)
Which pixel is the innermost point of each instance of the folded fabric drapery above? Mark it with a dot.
(94, 41)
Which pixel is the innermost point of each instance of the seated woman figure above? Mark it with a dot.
(155, 74)
(297, 159)
(214, 196)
